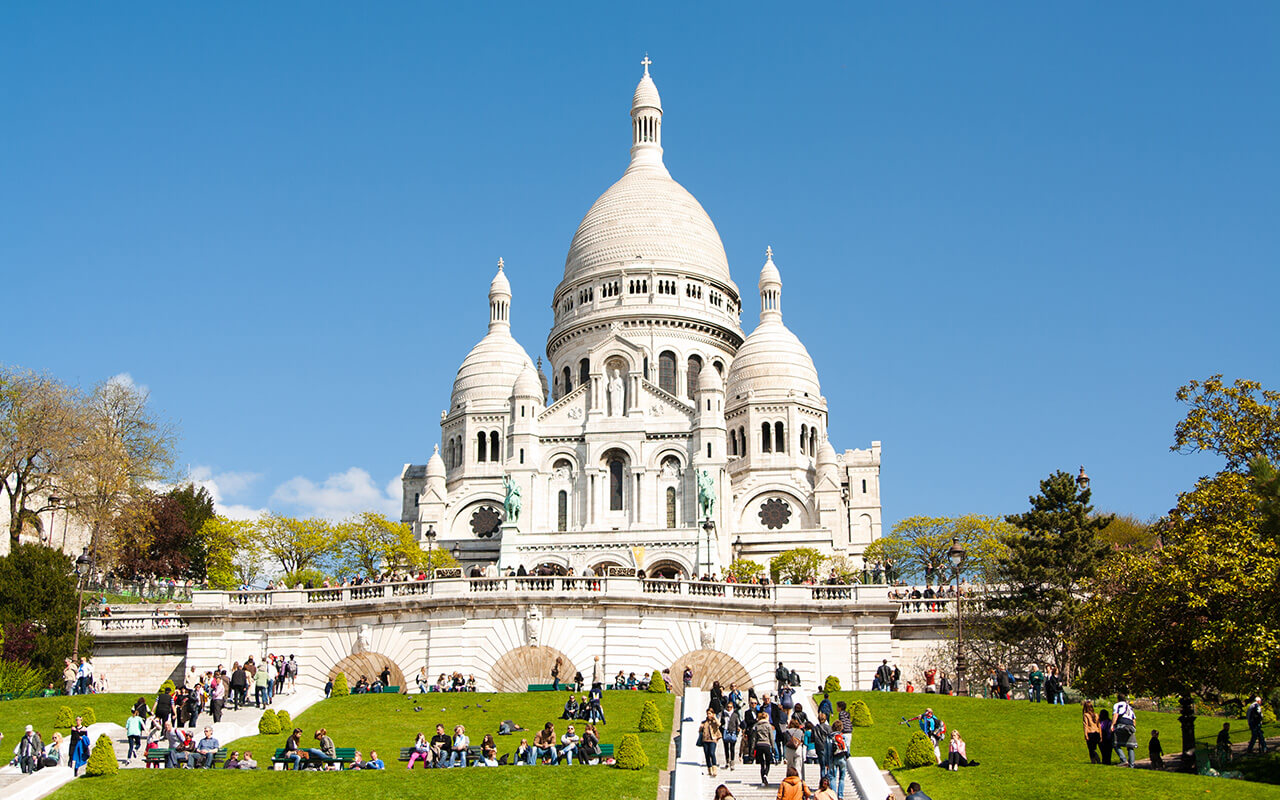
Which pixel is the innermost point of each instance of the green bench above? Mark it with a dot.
(159, 755)
(548, 687)
(342, 757)
(391, 690)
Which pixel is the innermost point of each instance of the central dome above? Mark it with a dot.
(647, 216)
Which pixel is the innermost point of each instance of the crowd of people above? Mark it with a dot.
(32, 754)
(457, 682)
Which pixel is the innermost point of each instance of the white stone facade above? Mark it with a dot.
(652, 383)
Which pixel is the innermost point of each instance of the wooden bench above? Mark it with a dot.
(342, 757)
(159, 755)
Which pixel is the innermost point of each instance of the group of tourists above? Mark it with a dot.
(1115, 730)
(456, 682)
(80, 679)
(32, 754)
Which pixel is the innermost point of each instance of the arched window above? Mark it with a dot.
(733, 443)
(804, 434)
(562, 511)
(495, 454)
(615, 484)
(671, 506)
(584, 371)
(667, 372)
(695, 369)
(568, 381)
(779, 438)
(719, 365)
(742, 440)
(481, 439)
(766, 430)
(813, 441)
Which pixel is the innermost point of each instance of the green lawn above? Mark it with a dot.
(1036, 750)
(16, 715)
(388, 722)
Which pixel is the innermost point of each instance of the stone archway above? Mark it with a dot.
(709, 666)
(370, 666)
(519, 668)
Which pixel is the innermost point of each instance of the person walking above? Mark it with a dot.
(133, 730)
(1124, 728)
(762, 745)
(1053, 687)
(1106, 736)
(839, 762)
(1254, 718)
(731, 731)
(1092, 731)
(792, 787)
(709, 736)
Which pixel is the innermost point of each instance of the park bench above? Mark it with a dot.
(342, 757)
(391, 690)
(158, 755)
(548, 687)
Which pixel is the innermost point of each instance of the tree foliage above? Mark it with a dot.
(796, 565)
(163, 537)
(371, 543)
(233, 557)
(630, 753)
(38, 589)
(919, 752)
(1127, 530)
(299, 543)
(656, 684)
(892, 760)
(1265, 481)
(1054, 553)
(860, 713)
(40, 427)
(340, 687)
(1237, 422)
(917, 547)
(744, 569)
(268, 722)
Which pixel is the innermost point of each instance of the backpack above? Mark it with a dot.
(794, 678)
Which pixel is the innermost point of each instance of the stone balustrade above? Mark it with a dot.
(134, 624)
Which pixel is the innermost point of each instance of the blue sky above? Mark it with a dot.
(1007, 232)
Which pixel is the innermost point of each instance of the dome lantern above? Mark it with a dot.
(500, 300)
(770, 289)
(646, 123)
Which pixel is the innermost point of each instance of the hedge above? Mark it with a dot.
(630, 754)
(340, 688)
(892, 760)
(268, 722)
(102, 758)
(64, 718)
(89, 716)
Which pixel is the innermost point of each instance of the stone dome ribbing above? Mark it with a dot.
(773, 363)
(489, 372)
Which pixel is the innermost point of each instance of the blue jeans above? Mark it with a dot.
(1057, 699)
(566, 754)
(538, 753)
(838, 769)
(296, 758)
(1034, 694)
(457, 758)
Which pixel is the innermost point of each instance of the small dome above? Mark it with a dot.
(646, 95)
(527, 384)
(772, 362)
(490, 370)
(709, 380)
(500, 285)
(826, 454)
(769, 274)
(435, 465)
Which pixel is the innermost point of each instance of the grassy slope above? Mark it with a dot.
(1036, 750)
(388, 722)
(15, 715)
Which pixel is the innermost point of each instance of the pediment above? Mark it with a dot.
(658, 403)
(568, 410)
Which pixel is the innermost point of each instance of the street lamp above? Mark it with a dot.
(1082, 480)
(53, 507)
(708, 526)
(84, 565)
(956, 555)
(431, 541)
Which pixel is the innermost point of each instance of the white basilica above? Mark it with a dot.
(654, 389)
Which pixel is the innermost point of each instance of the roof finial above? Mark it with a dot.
(646, 62)
(768, 253)
(499, 263)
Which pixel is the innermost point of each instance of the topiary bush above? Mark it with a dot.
(102, 758)
(861, 715)
(168, 684)
(286, 721)
(650, 722)
(656, 684)
(340, 688)
(268, 722)
(919, 751)
(64, 718)
(630, 754)
(89, 716)
(892, 760)
(831, 684)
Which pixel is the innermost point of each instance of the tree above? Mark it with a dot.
(102, 759)
(1127, 530)
(340, 687)
(299, 543)
(233, 557)
(919, 752)
(40, 428)
(124, 447)
(268, 722)
(1265, 480)
(438, 558)
(372, 543)
(917, 547)
(631, 754)
(38, 586)
(1237, 422)
(159, 540)
(649, 719)
(1051, 558)
(657, 685)
(744, 569)
(796, 565)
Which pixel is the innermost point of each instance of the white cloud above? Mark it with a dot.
(223, 486)
(339, 495)
(126, 380)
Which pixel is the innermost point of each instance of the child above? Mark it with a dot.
(1224, 746)
(1155, 751)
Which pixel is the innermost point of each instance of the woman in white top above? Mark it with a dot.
(1124, 728)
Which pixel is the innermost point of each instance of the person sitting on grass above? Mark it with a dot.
(323, 755)
(488, 751)
(957, 756)
(544, 745)
(620, 680)
(440, 744)
(570, 708)
(247, 762)
(421, 750)
(632, 683)
(233, 760)
(293, 747)
(374, 762)
(914, 792)
(569, 745)
(357, 762)
(458, 750)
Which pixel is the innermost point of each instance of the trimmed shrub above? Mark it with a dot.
(168, 684)
(340, 688)
(649, 719)
(919, 751)
(656, 684)
(64, 718)
(268, 722)
(102, 758)
(831, 684)
(892, 760)
(89, 716)
(286, 721)
(1268, 714)
(861, 715)
(630, 754)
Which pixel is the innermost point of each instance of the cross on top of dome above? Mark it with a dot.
(646, 62)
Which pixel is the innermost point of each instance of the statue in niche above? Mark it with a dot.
(364, 640)
(706, 635)
(532, 626)
(617, 394)
(511, 505)
(706, 494)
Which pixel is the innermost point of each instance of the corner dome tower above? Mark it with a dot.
(489, 371)
(772, 363)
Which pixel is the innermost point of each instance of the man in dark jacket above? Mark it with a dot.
(239, 686)
(782, 674)
(164, 706)
(885, 674)
(1002, 682)
(30, 751)
(1254, 717)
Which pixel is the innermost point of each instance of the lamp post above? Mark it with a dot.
(53, 507)
(956, 555)
(708, 526)
(431, 542)
(84, 565)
